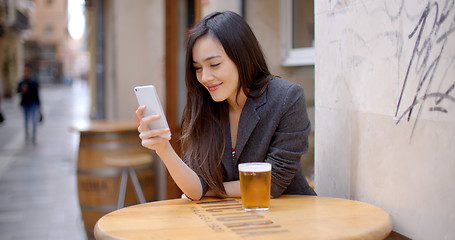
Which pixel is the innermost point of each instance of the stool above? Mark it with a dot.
(127, 164)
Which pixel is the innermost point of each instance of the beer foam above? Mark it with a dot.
(255, 167)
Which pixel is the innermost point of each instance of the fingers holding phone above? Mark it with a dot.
(149, 106)
(151, 138)
(153, 128)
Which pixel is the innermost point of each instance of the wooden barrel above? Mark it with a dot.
(98, 183)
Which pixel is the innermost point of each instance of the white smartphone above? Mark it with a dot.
(146, 95)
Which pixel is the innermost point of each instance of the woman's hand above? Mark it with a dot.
(185, 178)
(151, 138)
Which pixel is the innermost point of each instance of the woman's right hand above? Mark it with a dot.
(151, 138)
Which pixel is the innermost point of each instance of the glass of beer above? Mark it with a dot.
(255, 179)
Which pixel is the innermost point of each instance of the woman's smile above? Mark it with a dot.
(213, 87)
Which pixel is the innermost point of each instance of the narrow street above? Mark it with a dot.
(38, 188)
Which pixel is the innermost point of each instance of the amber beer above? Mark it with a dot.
(255, 181)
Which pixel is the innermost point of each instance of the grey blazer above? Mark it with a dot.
(273, 128)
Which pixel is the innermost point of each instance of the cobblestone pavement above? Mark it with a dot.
(38, 188)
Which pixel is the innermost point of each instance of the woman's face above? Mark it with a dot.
(215, 70)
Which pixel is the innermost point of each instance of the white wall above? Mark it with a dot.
(373, 59)
(135, 50)
(209, 6)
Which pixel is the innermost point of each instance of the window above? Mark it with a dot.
(49, 30)
(297, 36)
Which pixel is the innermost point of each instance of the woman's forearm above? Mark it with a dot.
(185, 178)
(232, 188)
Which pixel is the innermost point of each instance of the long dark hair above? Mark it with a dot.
(204, 120)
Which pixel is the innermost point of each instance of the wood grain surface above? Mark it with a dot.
(289, 217)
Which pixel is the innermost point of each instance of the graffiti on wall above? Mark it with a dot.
(430, 65)
(395, 58)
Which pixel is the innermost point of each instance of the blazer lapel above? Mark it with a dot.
(248, 121)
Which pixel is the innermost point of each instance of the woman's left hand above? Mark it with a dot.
(151, 138)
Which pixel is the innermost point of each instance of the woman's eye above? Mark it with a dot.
(214, 65)
(197, 68)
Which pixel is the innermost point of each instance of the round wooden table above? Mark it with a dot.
(289, 217)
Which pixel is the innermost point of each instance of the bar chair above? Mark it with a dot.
(127, 164)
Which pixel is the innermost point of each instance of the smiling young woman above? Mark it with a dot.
(216, 71)
(236, 112)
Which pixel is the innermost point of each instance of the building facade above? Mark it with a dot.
(14, 22)
(46, 43)
(32, 32)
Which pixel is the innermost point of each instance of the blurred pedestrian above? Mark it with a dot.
(30, 101)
